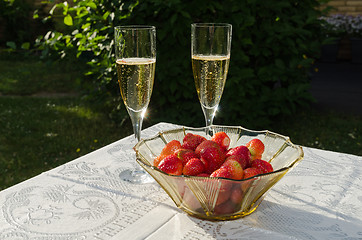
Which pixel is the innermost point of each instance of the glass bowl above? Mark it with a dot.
(220, 198)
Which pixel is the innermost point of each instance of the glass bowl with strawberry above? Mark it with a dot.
(220, 177)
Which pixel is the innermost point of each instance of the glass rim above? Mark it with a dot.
(135, 27)
(211, 25)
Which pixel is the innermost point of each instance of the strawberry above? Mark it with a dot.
(189, 199)
(256, 148)
(203, 175)
(262, 165)
(224, 208)
(241, 151)
(185, 155)
(212, 158)
(171, 147)
(222, 139)
(171, 165)
(193, 167)
(223, 196)
(235, 168)
(236, 195)
(252, 158)
(206, 144)
(181, 187)
(242, 161)
(191, 141)
(221, 172)
(158, 159)
(251, 172)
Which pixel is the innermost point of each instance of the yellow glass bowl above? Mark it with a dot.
(220, 198)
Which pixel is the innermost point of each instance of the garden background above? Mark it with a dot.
(59, 97)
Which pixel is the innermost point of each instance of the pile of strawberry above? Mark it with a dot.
(197, 156)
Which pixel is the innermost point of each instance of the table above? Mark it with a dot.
(84, 199)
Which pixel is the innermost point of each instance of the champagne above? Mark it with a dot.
(210, 75)
(135, 79)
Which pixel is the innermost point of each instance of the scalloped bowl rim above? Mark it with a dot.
(184, 128)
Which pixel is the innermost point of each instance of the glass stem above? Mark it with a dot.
(136, 175)
(209, 114)
(137, 119)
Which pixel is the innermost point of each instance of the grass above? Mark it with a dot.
(328, 130)
(41, 129)
(40, 133)
(21, 75)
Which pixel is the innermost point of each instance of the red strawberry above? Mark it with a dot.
(243, 152)
(236, 195)
(158, 159)
(181, 187)
(191, 141)
(193, 167)
(262, 165)
(222, 139)
(171, 165)
(223, 196)
(242, 161)
(206, 144)
(171, 147)
(212, 158)
(221, 172)
(234, 167)
(189, 199)
(256, 148)
(185, 155)
(251, 172)
(258, 156)
(203, 175)
(225, 208)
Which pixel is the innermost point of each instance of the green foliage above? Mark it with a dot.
(15, 22)
(274, 45)
(87, 35)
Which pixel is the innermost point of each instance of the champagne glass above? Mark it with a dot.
(210, 53)
(136, 60)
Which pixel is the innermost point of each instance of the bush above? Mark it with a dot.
(14, 16)
(17, 29)
(273, 47)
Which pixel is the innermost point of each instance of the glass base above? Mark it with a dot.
(136, 176)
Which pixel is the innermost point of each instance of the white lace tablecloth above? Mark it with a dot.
(84, 199)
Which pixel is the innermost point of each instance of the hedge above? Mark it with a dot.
(274, 45)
